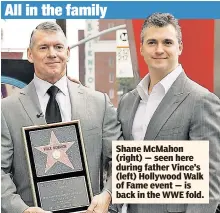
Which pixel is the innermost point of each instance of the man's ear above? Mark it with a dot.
(180, 48)
(29, 55)
(141, 49)
(68, 53)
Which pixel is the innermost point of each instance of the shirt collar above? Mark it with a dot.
(166, 83)
(142, 87)
(169, 79)
(62, 85)
(42, 86)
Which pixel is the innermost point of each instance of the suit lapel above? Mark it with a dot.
(29, 100)
(135, 99)
(174, 97)
(80, 105)
(76, 95)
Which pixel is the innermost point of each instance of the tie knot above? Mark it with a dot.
(52, 91)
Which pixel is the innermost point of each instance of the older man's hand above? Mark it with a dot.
(100, 203)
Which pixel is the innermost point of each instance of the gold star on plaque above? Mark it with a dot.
(56, 151)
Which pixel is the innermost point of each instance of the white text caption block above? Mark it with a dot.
(160, 172)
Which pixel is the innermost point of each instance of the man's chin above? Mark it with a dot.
(160, 68)
(53, 71)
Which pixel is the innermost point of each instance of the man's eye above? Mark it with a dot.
(43, 48)
(168, 42)
(151, 42)
(59, 47)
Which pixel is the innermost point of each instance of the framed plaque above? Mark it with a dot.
(58, 167)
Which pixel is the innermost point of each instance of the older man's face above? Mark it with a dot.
(50, 54)
(161, 48)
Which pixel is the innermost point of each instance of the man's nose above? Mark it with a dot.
(159, 49)
(51, 53)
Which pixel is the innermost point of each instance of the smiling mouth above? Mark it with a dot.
(52, 63)
(159, 58)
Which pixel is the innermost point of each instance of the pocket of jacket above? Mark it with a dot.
(172, 131)
(89, 132)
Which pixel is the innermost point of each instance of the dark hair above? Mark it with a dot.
(161, 20)
(47, 26)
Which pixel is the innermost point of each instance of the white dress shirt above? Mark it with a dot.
(149, 102)
(62, 97)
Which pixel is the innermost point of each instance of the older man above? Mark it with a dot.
(52, 95)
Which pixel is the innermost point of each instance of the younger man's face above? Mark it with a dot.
(161, 48)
